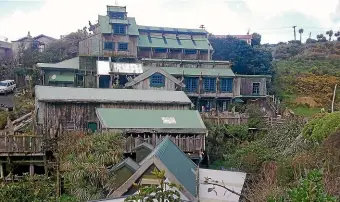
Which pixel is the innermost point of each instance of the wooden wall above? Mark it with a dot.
(145, 85)
(246, 85)
(75, 116)
(186, 142)
(94, 46)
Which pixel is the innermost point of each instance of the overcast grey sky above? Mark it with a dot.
(273, 19)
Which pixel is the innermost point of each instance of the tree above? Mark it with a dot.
(330, 34)
(321, 38)
(301, 32)
(164, 191)
(246, 59)
(255, 39)
(337, 34)
(84, 162)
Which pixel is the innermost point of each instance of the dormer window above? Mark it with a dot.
(116, 15)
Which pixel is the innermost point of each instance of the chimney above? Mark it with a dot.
(29, 34)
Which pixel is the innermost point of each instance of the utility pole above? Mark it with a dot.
(294, 32)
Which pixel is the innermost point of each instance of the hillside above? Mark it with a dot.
(305, 75)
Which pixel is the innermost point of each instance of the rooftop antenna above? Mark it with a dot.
(248, 31)
(202, 26)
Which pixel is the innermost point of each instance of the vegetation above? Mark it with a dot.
(246, 59)
(163, 192)
(84, 163)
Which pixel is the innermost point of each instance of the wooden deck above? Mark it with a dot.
(21, 145)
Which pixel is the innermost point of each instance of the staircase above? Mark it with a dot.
(273, 103)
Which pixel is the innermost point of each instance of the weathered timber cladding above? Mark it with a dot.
(246, 85)
(75, 116)
(145, 85)
(186, 142)
(19, 144)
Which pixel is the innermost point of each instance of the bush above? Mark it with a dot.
(322, 126)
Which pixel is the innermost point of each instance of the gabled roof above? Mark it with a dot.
(107, 95)
(106, 28)
(128, 162)
(148, 120)
(181, 171)
(37, 37)
(72, 63)
(149, 73)
(145, 145)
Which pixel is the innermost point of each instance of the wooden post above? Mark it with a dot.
(31, 169)
(2, 171)
(334, 97)
(45, 164)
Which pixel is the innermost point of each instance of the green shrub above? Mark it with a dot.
(322, 126)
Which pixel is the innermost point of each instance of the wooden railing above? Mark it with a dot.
(21, 144)
(225, 118)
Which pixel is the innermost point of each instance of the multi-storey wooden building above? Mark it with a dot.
(118, 36)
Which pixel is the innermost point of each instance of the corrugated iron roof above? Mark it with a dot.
(171, 29)
(172, 42)
(150, 119)
(225, 72)
(177, 162)
(69, 94)
(72, 63)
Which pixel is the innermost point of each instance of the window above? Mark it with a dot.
(35, 45)
(157, 80)
(119, 29)
(226, 85)
(209, 84)
(160, 50)
(116, 15)
(190, 51)
(191, 84)
(122, 46)
(256, 88)
(108, 45)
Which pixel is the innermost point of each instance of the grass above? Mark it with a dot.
(305, 111)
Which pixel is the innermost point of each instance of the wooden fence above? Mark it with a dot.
(19, 144)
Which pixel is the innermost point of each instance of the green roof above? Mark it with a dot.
(66, 64)
(253, 76)
(227, 72)
(62, 78)
(174, 120)
(119, 9)
(177, 162)
(172, 42)
(128, 162)
(171, 29)
(106, 28)
(217, 62)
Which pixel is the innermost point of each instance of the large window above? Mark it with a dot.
(157, 80)
(116, 15)
(226, 85)
(122, 46)
(108, 45)
(256, 88)
(209, 84)
(119, 29)
(191, 84)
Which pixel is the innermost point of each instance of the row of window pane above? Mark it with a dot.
(157, 80)
(111, 46)
(227, 85)
(119, 29)
(209, 84)
(116, 15)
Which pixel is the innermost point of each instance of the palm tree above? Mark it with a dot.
(330, 34)
(300, 32)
